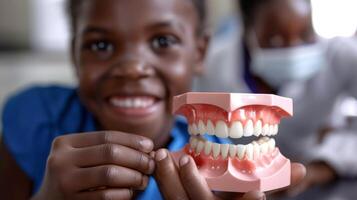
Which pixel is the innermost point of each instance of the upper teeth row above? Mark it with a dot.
(236, 130)
(135, 102)
(250, 151)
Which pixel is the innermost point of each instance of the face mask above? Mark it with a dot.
(280, 66)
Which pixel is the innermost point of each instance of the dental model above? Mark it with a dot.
(258, 165)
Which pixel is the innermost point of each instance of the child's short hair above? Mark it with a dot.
(73, 7)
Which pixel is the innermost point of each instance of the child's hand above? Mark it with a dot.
(185, 182)
(101, 165)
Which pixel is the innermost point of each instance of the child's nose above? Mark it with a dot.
(133, 69)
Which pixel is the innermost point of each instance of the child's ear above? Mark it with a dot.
(201, 51)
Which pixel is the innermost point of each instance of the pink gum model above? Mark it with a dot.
(258, 165)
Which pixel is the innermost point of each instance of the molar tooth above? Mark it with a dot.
(201, 128)
(200, 146)
(221, 129)
(193, 142)
(210, 128)
(265, 130)
(224, 150)
(194, 129)
(236, 130)
(190, 131)
(232, 150)
(241, 151)
(276, 129)
(249, 151)
(271, 130)
(271, 144)
(248, 128)
(215, 150)
(208, 147)
(264, 148)
(258, 128)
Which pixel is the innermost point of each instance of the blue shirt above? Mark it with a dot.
(34, 117)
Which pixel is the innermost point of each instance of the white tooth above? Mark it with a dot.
(265, 130)
(208, 147)
(201, 127)
(224, 150)
(128, 103)
(276, 129)
(256, 150)
(271, 144)
(241, 151)
(236, 130)
(189, 129)
(249, 151)
(248, 128)
(215, 150)
(264, 148)
(200, 146)
(193, 142)
(221, 129)
(271, 130)
(194, 129)
(232, 150)
(137, 103)
(210, 128)
(258, 128)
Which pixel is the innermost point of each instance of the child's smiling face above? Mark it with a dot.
(132, 57)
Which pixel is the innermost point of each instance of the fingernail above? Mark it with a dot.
(184, 160)
(146, 145)
(144, 183)
(160, 155)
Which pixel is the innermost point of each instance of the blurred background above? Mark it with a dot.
(34, 37)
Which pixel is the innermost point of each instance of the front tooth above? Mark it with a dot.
(271, 130)
(208, 147)
(271, 144)
(241, 151)
(193, 142)
(258, 128)
(232, 150)
(200, 146)
(276, 129)
(249, 151)
(210, 128)
(236, 130)
(215, 150)
(224, 150)
(256, 150)
(194, 129)
(201, 127)
(265, 130)
(221, 129)
(248, 129)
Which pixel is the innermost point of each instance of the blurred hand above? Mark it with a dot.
(185, 181)
(318, 173)
(100, 165)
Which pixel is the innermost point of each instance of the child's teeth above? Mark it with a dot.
(258, 128)
(232, 150)
(271, 144)
(271, 130)
(194, 129)
(224, 150)
(215, 150)
(265, 130)
(193, 143)
(221, 129)
(200, 146)
(236, 130)
(276, 129)
(201, 127)
(241, 151)
(208, 147)
(249, 151)
(248, 128)
(210, 128)
(264, 148)
(256, 150)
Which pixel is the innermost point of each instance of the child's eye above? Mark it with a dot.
(163, 42)
(101, 46)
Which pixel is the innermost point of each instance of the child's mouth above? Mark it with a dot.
(258, 165)
(134, 105)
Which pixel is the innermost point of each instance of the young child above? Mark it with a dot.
(96, 141)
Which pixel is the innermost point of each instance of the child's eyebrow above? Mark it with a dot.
(92, 29)
(166, 24)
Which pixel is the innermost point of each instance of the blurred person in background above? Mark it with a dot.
(278, 52)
